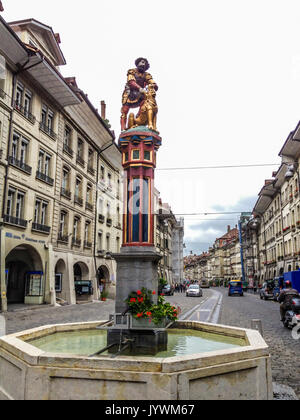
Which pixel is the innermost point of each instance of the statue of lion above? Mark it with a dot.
(148, 112)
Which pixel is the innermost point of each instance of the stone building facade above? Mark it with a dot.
(60, 184)
(274, 229)
(169, 235)
(221, 263)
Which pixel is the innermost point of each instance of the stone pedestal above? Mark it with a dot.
(137, 267)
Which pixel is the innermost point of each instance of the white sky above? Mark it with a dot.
(229, 79)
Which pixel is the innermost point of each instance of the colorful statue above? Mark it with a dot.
(136, 95)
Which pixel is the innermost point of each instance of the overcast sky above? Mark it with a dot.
(229, 88)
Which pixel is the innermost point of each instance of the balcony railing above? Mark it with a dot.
(76, 242)
(48, 130)
(41, 228)
(66, 193)
(80, 160)
(68, 149)
(15, 221)
(78, 200)
(20, 165)
(45, 178)
(25, 112)
(89, 206)
(63, 238)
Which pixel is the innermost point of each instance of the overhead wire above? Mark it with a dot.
(219, 167)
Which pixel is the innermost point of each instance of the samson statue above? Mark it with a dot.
(140, 92)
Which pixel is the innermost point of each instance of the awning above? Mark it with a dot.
(291, 147)
(37, 66)
(11, 45)
(51, 80)
(262, 204)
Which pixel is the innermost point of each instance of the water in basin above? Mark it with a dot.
(180, 343)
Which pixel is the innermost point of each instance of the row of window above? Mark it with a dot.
(15, 207)
(136, 155)
(19, 158)
(76, 234)
(287, 248)
(63, 235)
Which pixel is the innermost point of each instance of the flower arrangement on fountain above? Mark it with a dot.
(141, 306)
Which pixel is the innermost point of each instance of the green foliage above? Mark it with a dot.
(141, 306)
(162, 282)
(104, 294)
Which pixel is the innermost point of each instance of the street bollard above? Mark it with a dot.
(256, 324)
(2, 326)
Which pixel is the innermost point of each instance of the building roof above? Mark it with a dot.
(52, 38)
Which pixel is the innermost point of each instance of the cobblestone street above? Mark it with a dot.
(24, 320)
(285, 351)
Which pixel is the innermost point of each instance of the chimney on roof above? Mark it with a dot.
(103, 110)
(1, 7)
(228, 228)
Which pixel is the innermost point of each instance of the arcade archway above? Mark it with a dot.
(103, 277)
(22, 264)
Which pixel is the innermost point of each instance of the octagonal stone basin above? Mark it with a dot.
(239, 369)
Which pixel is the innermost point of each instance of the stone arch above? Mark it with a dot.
(103, 276)
(20, 261)
(81, 271)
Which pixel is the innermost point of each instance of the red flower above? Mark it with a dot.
(139, 293)
(141, 300)
(154, 293)
(140, 315)
(133, 300)
(149, 314)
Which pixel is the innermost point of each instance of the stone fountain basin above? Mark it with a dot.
(27, 373)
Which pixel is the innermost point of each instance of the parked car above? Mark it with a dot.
(235, 288)
(194, 290)
(168, 290)
(266, 292)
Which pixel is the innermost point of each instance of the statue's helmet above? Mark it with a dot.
(137, 62)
